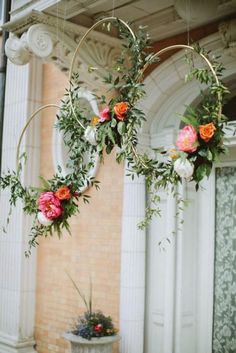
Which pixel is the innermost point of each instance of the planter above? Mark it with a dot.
(95, 345)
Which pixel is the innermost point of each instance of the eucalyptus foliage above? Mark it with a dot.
(126, 80)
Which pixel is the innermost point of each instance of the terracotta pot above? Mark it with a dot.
(95, 345)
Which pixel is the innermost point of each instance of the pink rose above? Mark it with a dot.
(187, 139)
(104, 115)
(50, 205)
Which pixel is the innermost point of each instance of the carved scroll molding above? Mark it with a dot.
(227, 31)
(52, 39)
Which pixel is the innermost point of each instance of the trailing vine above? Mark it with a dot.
(198, 146)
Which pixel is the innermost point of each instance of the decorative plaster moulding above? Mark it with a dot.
(20, 25)
(227, 31)
(53, 39)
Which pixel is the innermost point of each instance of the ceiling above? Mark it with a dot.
(164, 18)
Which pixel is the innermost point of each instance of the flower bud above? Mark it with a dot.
(43, 219)
(90, 135)
(184, 168)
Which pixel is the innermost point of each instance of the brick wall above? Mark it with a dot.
(94, 247)
(92, 250)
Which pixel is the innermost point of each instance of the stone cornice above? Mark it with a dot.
(20, 25)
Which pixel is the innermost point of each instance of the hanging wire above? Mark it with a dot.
(113, 8)
(188, 14)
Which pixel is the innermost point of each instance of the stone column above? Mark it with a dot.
(132, 296)
(17, 273)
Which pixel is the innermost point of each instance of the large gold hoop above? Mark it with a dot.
(103, 20)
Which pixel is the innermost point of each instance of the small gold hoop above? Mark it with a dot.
(32, 116)
(188, 47)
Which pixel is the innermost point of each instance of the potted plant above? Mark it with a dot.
(93, 332)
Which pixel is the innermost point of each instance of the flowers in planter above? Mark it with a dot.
(92, 323)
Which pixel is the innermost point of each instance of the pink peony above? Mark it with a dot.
(105, 115)
(50, 205)
(187, 139)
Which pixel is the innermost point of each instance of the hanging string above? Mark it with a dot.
(60, 28)
(188, 14)
(57, 30)
(113, 8)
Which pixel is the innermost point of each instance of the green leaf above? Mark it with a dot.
(116, 81)
(113, 123)
(203, 153)
(203, 170)
(44, 182)
(110, 134)
(109, 148)
(121, 128)
(190, 120)
(100, 147)
(209, 155)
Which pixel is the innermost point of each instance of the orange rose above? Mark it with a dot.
(63, 193)
(207, 131)
(120, 110)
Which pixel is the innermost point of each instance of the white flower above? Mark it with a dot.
(184, 168)
(43, 219)
(90, 135)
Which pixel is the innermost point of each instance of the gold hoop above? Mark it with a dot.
(103, 20)
(188, 47)
(109, 19)
(32, 116)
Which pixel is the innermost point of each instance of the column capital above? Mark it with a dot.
(53, 39)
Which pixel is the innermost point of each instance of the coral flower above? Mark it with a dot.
(63, 193)
(121, 109)
(207, 131)
(187, 139)
(50, 205)
(105, 115)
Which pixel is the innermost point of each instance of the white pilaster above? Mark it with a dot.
(170, 259)
(132, 297)
(17, 274)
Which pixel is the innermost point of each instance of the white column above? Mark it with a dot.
(132, 296)
(17, 273)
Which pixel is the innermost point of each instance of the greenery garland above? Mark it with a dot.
(198, 146)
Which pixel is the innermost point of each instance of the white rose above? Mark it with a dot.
(43, 219)
(184, 168)
(90, 135)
